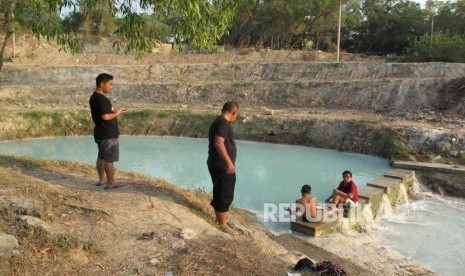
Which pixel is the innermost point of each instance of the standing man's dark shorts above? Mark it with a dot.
(108, 149)
(223, 188)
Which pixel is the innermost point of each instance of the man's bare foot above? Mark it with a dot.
(228, 230)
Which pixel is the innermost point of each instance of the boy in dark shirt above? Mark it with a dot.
(106, 131)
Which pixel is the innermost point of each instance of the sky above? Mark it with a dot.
(422, 2)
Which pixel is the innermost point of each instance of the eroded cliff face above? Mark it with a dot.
(373, 108)
(368, 87)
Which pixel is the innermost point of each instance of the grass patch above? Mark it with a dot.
(163, 115)
(138, 114)
(44, 253)
(400, 148)
(359, 227)
(461, 157)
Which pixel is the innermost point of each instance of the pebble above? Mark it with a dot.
(154, 261)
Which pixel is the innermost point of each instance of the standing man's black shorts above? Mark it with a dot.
(223, 188)
(108, 149)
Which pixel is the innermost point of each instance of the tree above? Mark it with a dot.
(439, 48)
(390, 26)
(7, 9)
(199, 23)
(284, 24)
(449, 17)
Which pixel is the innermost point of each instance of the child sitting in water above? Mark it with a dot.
(307, 203)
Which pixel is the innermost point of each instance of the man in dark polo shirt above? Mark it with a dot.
(346, 192)
(221, 162)
(106, 131)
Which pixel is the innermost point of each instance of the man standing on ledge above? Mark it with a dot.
(106, 131)
(221, 159)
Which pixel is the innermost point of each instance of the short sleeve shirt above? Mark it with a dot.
(349, 188)
(221, 127)
(103, 130)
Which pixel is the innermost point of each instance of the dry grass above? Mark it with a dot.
(54, 184)
(43, 252)
(214, 255)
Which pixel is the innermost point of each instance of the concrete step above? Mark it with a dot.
(314, 229)
(390, 186)
(400, 174)
(371, 195)
(434, 167)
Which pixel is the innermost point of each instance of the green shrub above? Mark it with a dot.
(442, 47)
(401, 149)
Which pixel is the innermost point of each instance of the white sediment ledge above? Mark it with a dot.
(437, 167)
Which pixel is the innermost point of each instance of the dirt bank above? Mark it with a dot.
(66, 225)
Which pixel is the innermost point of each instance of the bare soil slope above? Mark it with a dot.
(147, 228)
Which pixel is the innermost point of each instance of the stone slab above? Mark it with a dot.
(318, 254)
(314, 229)
(372, 196)
(9, 245)
(435, 167)
(367, 192)
(399, 173)
(384, 183)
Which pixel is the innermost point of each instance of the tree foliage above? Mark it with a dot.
(200, 23)
(441, 47)
(388, 27)
(284, 24)
(380, 27)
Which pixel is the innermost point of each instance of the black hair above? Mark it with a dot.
(347, 172)
(104, 77)
(229, 106)
(306, 189)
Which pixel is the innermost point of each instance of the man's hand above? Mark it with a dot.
(231, 169)
(116, 112)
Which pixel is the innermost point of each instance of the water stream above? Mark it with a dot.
(428, 231)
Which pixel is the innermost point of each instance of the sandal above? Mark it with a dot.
(114, 187)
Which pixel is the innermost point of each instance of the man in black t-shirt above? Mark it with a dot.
(221, 162)
(106, 131)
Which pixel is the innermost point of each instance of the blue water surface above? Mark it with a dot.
(266, 173)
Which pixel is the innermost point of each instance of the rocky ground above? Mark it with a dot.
(65, 225)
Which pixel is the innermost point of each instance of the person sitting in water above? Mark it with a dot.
(346, 192)
(307, 202)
